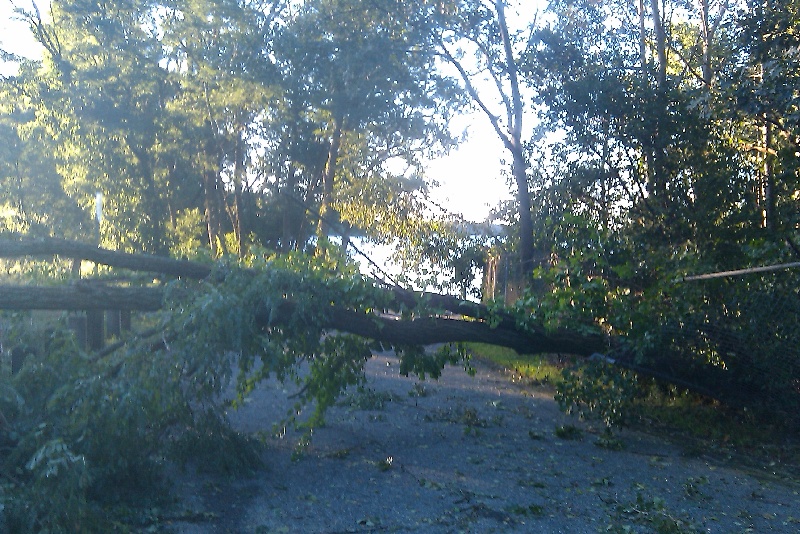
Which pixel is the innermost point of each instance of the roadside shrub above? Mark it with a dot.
(83, 436)
(597, 390)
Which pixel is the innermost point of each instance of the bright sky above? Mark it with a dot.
(14, 34)
(470, 177)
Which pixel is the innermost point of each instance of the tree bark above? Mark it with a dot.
(431, 330)
(421, 331)
(642, 36)
(81, 296)
(768, 182)
(509, 133)
(238, 203)
(425, 330)
(328, 177)
(657, 171)
(504, 330)
(212, 213)
(514, 144)
(706, 36)
(661, 45)
(15, 248)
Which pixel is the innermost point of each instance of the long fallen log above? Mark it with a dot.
(81, 296)
(19, 246)
(419, 331)
(422, 330)
(92, 296)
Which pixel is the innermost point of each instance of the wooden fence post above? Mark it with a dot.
(113, 323)
(95, 333)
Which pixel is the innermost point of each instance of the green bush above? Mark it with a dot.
(96, 430)
(597, 390)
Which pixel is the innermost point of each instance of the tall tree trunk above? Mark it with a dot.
(328, 176)
(658, 171)
(289, 228)
(212, 212)
(768, 182)
(642, 37)
(514, 145)
(509, 133)
(526, 245)
(238, 214)
(151, 199)
(706, 36)
(661, 45)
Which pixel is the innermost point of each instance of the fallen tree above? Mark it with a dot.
(157, 393)
(424, 325)
(426, 318)
(17, 246)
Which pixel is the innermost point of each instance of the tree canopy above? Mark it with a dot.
(645, 141)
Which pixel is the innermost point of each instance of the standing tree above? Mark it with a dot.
(218, 50)
(363, 76)
(766, 97)
(102, 97)
(475, 38)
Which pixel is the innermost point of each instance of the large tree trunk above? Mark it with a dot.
(508, 131)
(212, 213)
(81, 296)
(642, 36)
(661, 45)
(705, 36)
(328, 177)
(421, 331)
(513, 142)
(526, 245)
(658, 172)
(424, 330)
(238, 202)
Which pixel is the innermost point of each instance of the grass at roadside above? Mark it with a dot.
(698, 425)
(707, 428)
(539, 369)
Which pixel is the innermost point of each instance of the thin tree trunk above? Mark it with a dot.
(289, 228)
(706, 36)
(658, 172)
(642, 37)
(661, 45)
(768, 181)
(514, 145)
(328, 178)
(238, 207)
(215, 238)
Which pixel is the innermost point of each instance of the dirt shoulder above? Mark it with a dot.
(472, 454)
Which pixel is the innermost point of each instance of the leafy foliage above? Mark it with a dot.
(667, 146)
(85, 432)
(596, 390)
(672, 160)
(97, 430)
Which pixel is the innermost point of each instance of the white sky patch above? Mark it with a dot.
(15, 37)
(471, 179)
